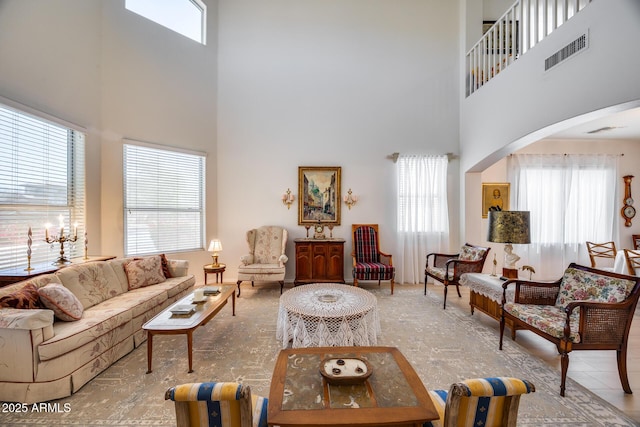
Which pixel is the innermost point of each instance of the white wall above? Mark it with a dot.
(329, 83)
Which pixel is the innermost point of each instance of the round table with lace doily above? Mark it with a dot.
(326, 315)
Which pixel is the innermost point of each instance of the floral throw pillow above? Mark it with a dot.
(25, 297)
(470, 253)
(65, 305)
(144, 272)
(580, 285)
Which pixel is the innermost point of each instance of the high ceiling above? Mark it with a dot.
(622, 125)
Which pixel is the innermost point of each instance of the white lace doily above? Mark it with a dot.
(327, 314)
(486, 285)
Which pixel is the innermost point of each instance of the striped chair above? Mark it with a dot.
(369, 263)
(224, 404)
(487, 402)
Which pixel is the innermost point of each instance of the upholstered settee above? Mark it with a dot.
(78, 321)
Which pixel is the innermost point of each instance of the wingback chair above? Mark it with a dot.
(480, 402)
(369, 263)
(223, 404)
(266, 260)
(447, 268)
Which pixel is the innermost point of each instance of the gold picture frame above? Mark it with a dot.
(319, 197)
(495, 196)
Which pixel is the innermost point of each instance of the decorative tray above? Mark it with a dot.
(345, 371)
(183, 310)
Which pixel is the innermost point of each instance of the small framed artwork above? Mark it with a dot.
(495, 197)
(319, 195)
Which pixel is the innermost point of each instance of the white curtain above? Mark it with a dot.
(572, 199)
(423, 222)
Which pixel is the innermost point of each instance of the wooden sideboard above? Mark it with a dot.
(319, 261)
(17, 274)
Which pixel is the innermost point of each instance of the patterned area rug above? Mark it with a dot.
(444, 346)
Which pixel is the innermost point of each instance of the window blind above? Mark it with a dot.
(164, 200)
(41, 181)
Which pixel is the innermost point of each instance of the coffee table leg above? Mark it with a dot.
(233, 303)
(149, 350)
(190, 350)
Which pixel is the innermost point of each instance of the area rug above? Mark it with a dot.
(444, 346)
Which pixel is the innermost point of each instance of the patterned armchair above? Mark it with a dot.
(480, 402)
(369, 263)
(266, 259)
(447, 268)
(223, 404)
(587, 309)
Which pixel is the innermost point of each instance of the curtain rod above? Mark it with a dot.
(394, 156)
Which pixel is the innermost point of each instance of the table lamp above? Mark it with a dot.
(215, 246)
(510, 227)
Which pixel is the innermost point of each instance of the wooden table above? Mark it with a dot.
(13, 275)
(393, 394)
(165, 323)
(485, 294)
(214, 269)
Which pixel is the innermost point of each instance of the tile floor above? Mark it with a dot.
(595, 370)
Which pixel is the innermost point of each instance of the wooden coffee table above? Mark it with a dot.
(166, 323)
(392, 395)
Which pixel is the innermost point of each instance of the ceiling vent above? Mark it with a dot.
(578, 45)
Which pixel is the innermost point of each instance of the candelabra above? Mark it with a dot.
(29, 243)
(62, 239)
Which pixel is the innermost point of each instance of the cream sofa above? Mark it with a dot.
(44, 358)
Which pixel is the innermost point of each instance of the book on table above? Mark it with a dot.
(211, 290)
(183, 310)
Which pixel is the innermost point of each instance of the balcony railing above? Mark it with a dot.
(523, 26)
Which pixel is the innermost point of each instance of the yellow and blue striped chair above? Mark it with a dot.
(486, 402)
(223, 404)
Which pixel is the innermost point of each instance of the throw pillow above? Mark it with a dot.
(144, 272)
(165, 266)
(471, 253)
(25, 297)
(580, 285)
(65, 305)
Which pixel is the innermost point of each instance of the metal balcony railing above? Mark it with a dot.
(521, 27)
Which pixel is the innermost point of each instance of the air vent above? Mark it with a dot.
(566, 52)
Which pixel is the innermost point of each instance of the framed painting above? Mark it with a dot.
(495, 197)
(319, 195)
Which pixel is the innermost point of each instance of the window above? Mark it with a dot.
(186, 17)
(571, 199)
(423, 213)
(422, 194)
(163, 200)
(41, 182)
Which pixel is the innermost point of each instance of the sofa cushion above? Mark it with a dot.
(118, 267)
(261, 269)
(62, 301)
(144, 272)
(546, 318)
(95, 322)
(92, 282)
(440, 272)
(25, 297)
(580, 285)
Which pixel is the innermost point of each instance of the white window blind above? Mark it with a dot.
(41, 180)
(164, 200)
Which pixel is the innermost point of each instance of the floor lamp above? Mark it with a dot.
(510, 227)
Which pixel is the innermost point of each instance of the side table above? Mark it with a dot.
(214, 269)
(485, 294)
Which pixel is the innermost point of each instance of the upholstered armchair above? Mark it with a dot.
(480, 402)
(586, 309)
(223, 404)
(447, 268)
(266, 260)
(369, 263)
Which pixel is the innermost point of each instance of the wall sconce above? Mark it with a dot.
(288, 198)
(350, 199)
(215, 246)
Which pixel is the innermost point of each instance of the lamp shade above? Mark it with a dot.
(509, 227)
(215, 245)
